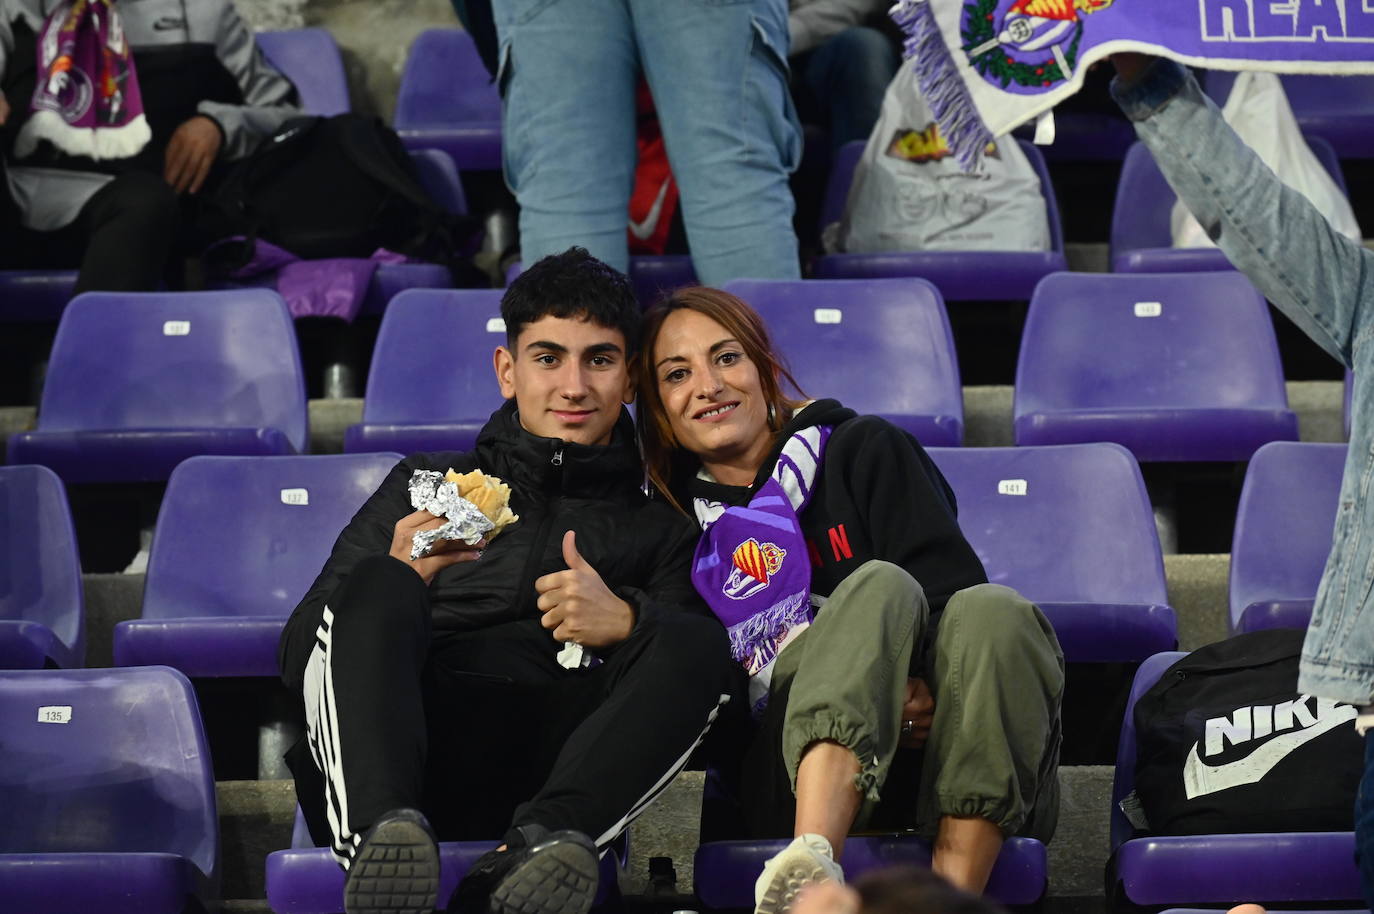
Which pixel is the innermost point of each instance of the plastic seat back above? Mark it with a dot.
(444, 83)
(431, 373)
(1283, 533)
(165, 360)
(880, 346)
(246, 536)
(1131, 357)
(310, 58)
(1069, 527)
(1144, 202)
(40, 572)
(106, 761)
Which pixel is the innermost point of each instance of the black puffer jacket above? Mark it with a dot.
(642, 549)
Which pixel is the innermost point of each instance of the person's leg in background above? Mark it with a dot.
(567, 76)
(718, 73)
(848, 75)
(130, 225)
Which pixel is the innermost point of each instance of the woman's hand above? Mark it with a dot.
(1129, 64)
(918, 713)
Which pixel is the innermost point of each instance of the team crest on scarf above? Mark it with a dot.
(1026, 45)
(752, 565)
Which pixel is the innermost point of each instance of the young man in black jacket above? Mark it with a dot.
(433, 687)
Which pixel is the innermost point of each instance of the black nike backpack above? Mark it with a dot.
(1225, 744)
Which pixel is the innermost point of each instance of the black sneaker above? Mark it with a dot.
(396, 868)
(540, 872)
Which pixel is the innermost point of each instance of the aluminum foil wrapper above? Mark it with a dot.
(430, 492)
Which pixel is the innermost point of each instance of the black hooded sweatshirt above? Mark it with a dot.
(878, 495)
(641, 548)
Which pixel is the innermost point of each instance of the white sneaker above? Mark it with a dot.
(807, 860)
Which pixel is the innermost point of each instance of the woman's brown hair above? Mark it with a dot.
(743, 324)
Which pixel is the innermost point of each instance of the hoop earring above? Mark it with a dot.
(772, 415)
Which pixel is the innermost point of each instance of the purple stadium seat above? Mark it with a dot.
(1167, 870)
(650, 276)
(431, 386)
(1339, 109)
(897, 328)
(42, 611)
(1283, 533)
(34, 295)
(310, 58)
(138, 382)
(447, 101)
(959, 275)
(1175, 366)
(1069, 527)
(653, 276)
(724, 871)
(305, 879)
(239, 541)
(1141, 241)
(107, 792)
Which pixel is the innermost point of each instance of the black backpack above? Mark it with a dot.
(1225, 744)
(341, 186)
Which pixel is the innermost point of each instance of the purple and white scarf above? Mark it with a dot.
(86, 101)
(752, 567)
(988, 66)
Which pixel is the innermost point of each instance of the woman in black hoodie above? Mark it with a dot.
(832, 553)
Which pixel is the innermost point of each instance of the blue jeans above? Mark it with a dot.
(848, 75)
(718, 73)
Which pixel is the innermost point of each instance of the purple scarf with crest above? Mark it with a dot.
(86, 101)
(752, 567)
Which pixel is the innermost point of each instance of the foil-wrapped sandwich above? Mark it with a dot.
(489, 494)
(473, 505)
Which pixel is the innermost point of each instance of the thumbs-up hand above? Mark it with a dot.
(578, 606)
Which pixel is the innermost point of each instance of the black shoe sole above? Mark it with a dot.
(559, 877)
(396, 871)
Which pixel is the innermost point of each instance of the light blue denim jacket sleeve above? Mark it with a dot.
(1325, 283)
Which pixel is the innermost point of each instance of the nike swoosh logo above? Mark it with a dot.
(645, 230)
(1200, 779)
